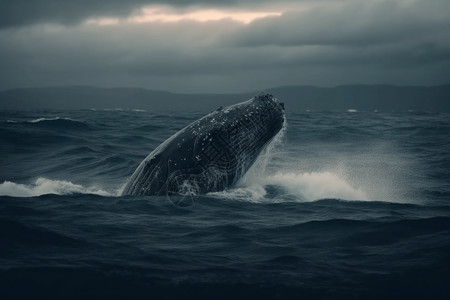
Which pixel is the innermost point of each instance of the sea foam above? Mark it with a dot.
(301, 187)
(43, 186)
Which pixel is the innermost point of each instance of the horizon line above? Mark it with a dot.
(220, 93)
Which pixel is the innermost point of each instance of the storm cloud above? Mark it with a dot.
(309, 42)
(25, 12)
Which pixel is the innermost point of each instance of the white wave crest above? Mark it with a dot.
(46, 119)
(298, 187)
(43, 186)
(317, 185)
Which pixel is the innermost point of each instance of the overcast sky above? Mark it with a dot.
(223, 45)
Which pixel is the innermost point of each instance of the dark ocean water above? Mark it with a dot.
(344, 205)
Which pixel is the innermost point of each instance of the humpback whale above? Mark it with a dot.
(212, 153)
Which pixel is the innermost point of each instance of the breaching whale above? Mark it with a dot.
(212, 153)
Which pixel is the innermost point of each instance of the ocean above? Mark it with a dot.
(342, 205)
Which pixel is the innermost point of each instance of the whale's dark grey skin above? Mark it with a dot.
(212, 153)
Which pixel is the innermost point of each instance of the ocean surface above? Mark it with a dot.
(342, 205)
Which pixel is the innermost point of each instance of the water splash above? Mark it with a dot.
(301, 187)
(260, 165)
(43, 186)
(262, 185)
(316, 185)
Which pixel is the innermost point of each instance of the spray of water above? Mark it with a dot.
(43, 186)
(269, 181)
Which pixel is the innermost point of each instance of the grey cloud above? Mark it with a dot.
(47, 54)
(362, 23)
(14, 13)
(18, 13)
(229, 56)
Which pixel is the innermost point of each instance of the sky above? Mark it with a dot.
(223, 46)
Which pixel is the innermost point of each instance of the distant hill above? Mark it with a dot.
(86, 97)
(297, 98)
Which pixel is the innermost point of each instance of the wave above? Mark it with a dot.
(60, 123)
(316, 185)
(43, 186)
(39, 120)
(124, 109)
(149, 128)
(56, 123)
(302, 187)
